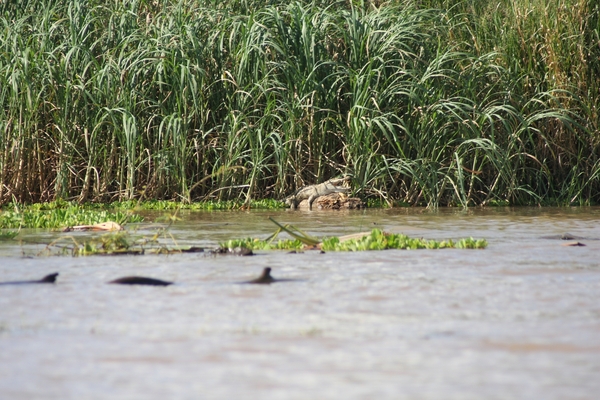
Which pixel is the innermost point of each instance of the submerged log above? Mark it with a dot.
(334, 201)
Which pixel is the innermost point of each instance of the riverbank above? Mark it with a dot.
(428, 103)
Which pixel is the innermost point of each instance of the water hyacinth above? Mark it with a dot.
(375, 240)
(379, 240)
(60, 215)
(422, 102)
(258, 244)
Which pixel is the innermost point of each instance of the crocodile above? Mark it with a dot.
(311, 192)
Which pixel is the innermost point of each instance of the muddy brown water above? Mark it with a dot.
(519, 320)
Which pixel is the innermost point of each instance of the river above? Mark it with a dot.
(518, 320)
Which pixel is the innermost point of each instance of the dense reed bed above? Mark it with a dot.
(425, 102)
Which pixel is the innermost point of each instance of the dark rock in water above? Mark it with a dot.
(193, 250)
(237, 251)
(51, 278)
(241, 251)
(266, 278)
(140, 280)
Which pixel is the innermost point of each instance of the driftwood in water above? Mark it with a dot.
(104, 226)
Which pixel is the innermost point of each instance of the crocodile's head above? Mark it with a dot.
(290, 200)
(340, 181)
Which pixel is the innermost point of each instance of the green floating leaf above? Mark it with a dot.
(375, 240)
(60, 214)
(8, 235)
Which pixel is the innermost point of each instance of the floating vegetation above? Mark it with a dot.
(379, 240)
(258, 244)
(106, 244)
(124, 242)
(119, 243)
(8, 235)
(374, 240)
(59, 215)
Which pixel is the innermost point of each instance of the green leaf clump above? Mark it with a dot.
(376, 240)
(258, 244)
(112, 243)
(379, 240)
(8, 235)
(60, 214)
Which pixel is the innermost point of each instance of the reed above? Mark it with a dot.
(432, 103)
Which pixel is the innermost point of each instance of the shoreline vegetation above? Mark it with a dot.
(422, 103)
(63, 214)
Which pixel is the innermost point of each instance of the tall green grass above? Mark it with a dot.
(426, 102)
